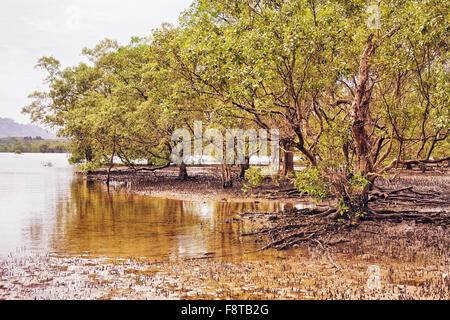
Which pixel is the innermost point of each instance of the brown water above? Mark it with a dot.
(48, 209)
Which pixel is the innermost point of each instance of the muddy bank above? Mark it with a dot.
(204, 183)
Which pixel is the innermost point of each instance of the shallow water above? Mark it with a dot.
(48, 209)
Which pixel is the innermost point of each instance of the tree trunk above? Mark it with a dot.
(108, 178)
(288, 163)
(88, 154)
(226, 176)
(182, 174)
(244, 167)
(357, 202)
(89, 157)
(111, 163)
(360, 112)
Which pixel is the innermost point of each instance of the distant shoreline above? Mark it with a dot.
(4, 152)
(20, 145)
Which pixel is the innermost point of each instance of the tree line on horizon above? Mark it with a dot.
(33, 145)
(354, 101)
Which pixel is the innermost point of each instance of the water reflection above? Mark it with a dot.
(28, 194)
(96, 221)
(48, 209)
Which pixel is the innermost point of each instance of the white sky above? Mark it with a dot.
(30, 29)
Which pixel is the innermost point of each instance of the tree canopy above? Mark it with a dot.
(356, 100)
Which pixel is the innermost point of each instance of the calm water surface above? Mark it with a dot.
(50, 209)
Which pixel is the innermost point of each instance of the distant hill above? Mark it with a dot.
(10, 128)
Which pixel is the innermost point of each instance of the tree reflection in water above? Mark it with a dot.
(95, 221)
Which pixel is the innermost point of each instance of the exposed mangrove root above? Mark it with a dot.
(435, 218)
(420, 206)
(408, 195)
(291, 227)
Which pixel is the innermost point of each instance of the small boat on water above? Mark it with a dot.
(47, 164)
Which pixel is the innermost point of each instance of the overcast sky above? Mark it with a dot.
(30, 29)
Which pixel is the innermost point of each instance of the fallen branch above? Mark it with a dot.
(155, 168)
